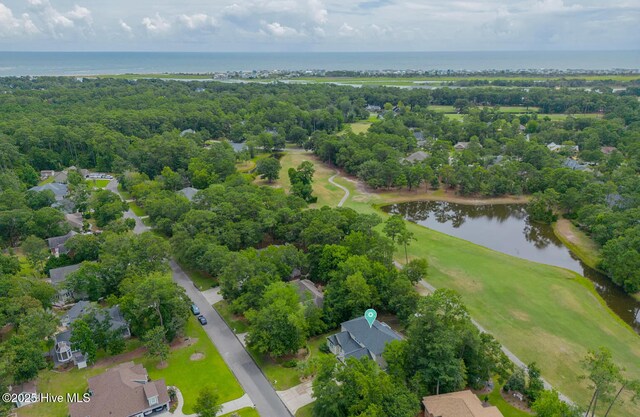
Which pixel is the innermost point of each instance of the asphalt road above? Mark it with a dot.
(346, 191)
(254, 383)
(252, 380)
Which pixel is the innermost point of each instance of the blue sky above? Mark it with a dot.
(318, 25)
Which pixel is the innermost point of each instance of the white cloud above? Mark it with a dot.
(276, 29)
(125, 27)
(156, 25)
(197, 22)
(319, 13)
(60, 24)
(347, 30)
(11, 26)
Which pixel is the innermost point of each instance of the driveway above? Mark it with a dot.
(298, 396)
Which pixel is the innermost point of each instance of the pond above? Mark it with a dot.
(506, 228)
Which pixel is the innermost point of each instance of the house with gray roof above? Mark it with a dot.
(357, 340)
(418, 156)
(56, 244)
(57, 278)
(189, 192)
(187, 132)
(575, 165)
(306, 289)
(63, 350)
(60, 191)
(460, 146)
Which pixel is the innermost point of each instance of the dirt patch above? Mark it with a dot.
(515, 402)
(198, 356)
(185, 342)
(563, 227)
(162, 365)
(123, 357)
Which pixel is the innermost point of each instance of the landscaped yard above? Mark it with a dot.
(188, 375)
(98, 183)
(507, 410)
(541, 313)
(282, 377)
(201, 280)
(137, 210)
(237, 323)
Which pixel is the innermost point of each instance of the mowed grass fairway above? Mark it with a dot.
(327, 193)
(541, 313)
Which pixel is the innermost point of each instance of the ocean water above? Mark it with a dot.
(93, 63)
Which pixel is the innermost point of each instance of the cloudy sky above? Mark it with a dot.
(318, 25)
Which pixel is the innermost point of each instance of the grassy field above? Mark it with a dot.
(139, 211)
(181, 371)
(541, 313)
(359, 127)
(578, 242)
(326, 192)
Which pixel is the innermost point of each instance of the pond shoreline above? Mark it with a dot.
(573, 246)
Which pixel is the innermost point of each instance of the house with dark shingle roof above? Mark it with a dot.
(57, 277)
(123, 391)
(56, 244)
(357, 340)
(60, 191)
(189, 192)
(418, 156)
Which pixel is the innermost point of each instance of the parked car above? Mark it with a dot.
(202, 319)
(195, 310)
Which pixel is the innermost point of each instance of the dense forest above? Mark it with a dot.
(160, 137)
(149, 125)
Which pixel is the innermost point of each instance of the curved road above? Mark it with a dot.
(346, 191)
(250, 377)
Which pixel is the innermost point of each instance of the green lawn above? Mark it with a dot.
(98, 183)
(562, 116)
(244, 412)
(201, 280)
(307, 411)
(441, 109)
(190, 376)
(284, 378)
(359, 127)
(326, 192)
(541, 313)
(454, 116)
(137, 210)
(237, 323)
(181, 371)
(47, 181)
(507, 410)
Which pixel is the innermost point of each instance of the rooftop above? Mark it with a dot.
(121, 391)
(457, 404)
(58, 275)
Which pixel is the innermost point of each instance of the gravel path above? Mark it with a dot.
(346, 191)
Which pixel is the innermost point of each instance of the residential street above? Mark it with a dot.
(252, 380)
(262, 394)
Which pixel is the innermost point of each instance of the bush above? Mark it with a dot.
(324, 348)
(292, 363)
